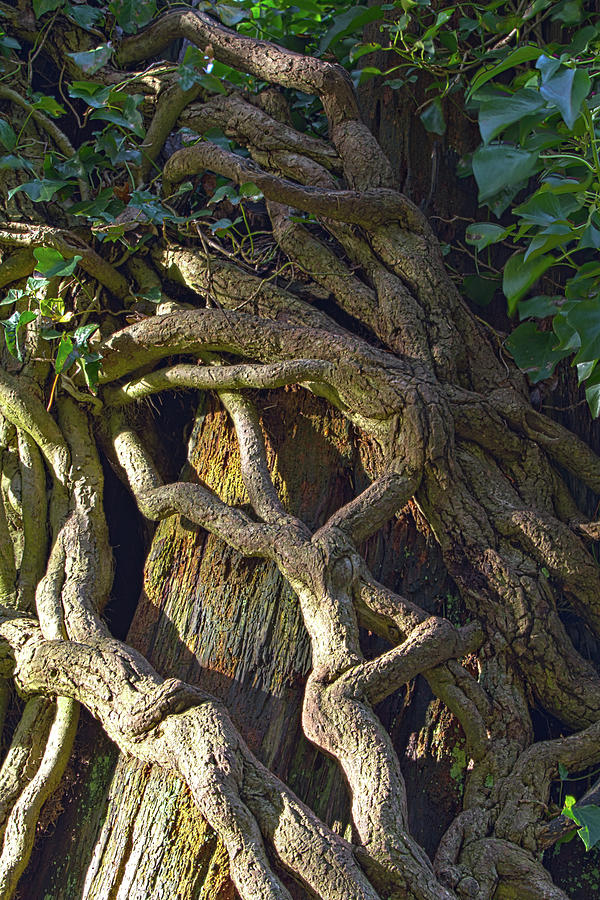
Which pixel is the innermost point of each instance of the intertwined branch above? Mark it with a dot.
(457, 436)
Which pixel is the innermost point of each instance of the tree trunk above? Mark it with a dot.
(371, 573)
(233, 626)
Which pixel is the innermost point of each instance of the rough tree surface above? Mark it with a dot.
(354, 307)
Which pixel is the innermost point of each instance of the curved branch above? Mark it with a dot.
(227, 378)
(21, 826)
(247, 123)
(35, 537)
(368, 208)
(372, 508)
(197, 503)
(253, 455)
(433, 642)
(261, 58)
(233, 791)
(59, 137)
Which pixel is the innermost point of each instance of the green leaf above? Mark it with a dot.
(566, 90)
(534, 351)
(8, 138)
(90, 364)
(539, 307)
(498, 113)
(94, 94)
(231, 15)
(65, 355)
(249, 191)
(520, 275)
(12, 327)
(10, 161)
(132, 14)
(551, 237)
(592, 395)
(569, 12)
(51, 263)
(54, 308)
(39, 191)
(221, 226)
(153, 294)
(545, 208)
(516, 58)
(480, 290)
(49, 105)
(127, 117)
(590, 238)
(562, 772)
(351, 20)
(82, 334)
(85, 16)
(585, 283)
(92, 60)
(482, 234)
(548, 66)
(584, 317)
(432, 117)
(588, 816)
(212, 83)
(499, 166)
(40, 7)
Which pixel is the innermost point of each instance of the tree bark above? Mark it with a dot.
(274, 700)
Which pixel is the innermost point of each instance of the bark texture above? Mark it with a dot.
(333, 405)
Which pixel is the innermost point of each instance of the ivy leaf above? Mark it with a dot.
(90, 364)
(351, 20)
(94, 94)
(497, 113)
(12, 326)
(520, 274)
(48, 105)
(250, 191)
(153, 294)
(482, 234)
(499, 166)
(41, 7)
(539, 307)
(534, 351)
(566, 90)
(516, 58)
(10, 161)
(41, 190)
(66, 354)
(8, 138)
(592, 395)
(51, 263)
(545, 208)
(82, 334)
(92, 60)
(480, 290)
(132, 14)
(85, 16)
(590, 238)
(588, 817)
(231, 15)
(432, 117)
(584, 317)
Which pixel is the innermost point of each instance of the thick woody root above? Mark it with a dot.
(456, 434)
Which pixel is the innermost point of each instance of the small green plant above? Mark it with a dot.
(587, 817)
(73, 345)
